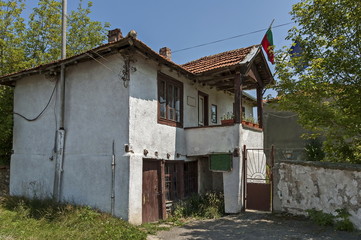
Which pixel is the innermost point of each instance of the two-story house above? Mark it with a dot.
(124, 129)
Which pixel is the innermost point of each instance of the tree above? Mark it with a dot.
(11, 59)
(43, 36)
(39, 41)
(323, 83)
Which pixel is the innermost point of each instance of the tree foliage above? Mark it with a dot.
(37, 41)
(323, 83)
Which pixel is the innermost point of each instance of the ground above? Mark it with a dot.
(252, 225)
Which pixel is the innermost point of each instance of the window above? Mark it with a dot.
(170, 101)
(214, 113)
(181, 179)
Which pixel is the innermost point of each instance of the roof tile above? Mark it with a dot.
(219, 60)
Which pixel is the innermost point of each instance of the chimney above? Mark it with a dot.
(166, 52)
(114, 35)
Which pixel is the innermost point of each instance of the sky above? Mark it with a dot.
(186, 23)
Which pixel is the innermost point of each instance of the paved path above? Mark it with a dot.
(255, 226)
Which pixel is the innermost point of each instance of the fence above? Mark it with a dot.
(302, 185)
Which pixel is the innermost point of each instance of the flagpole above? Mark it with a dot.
(271, 23)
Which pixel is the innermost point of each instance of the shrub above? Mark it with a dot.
(321, 218)
(341, 221)
(208, 205)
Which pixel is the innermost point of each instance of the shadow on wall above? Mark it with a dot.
(4, 180)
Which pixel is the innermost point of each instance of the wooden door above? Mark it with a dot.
(152, 194)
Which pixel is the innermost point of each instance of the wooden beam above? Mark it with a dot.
(216, 78)
(237, 111)
(260, 106)
(258, 77)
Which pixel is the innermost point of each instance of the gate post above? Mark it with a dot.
(244, 158)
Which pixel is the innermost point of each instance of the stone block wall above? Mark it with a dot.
(4, 180)
(301, 185)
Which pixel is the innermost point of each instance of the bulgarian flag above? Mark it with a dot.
(267, 44)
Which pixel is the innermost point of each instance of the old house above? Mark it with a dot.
(128, 130)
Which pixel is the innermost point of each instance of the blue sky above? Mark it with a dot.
(186, 23)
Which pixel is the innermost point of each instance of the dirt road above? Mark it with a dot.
(255, 226)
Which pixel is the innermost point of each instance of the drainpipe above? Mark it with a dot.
(113, 181)
(61, 131)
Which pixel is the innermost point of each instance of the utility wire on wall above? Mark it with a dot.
(42, 111)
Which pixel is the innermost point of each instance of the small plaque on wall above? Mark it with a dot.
(191, 101)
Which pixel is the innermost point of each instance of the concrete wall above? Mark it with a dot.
(324, 186)
(4, 180)
(32, 165)
(96, 114)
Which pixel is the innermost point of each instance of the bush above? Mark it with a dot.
(321, 218)
(209, 205)
(341, 221)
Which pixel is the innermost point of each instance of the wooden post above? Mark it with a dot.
(163, 211)
(260, 106)
(237, 111)
(180, 179)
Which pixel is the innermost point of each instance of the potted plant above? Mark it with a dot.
(249, 121)
(227, 119)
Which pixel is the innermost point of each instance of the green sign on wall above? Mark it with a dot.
(221, 162)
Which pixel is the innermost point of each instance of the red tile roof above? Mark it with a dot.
(219, 60)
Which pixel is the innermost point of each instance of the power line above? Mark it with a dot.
(41, 113)
(229, 38)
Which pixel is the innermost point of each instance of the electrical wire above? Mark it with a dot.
(41, 113)
(285, 117)
(102, 64)
(229, 38)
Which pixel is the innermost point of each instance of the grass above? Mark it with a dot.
(21, 218)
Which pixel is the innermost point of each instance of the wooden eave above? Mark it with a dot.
(255, 73)
(129, 43)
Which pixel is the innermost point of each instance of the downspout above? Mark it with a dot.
(60, 144)
(112, 203)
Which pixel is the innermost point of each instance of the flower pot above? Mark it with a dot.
(227, 122)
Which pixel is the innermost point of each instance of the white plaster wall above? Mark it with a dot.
(252, 138)
(204, 141)
(32, 170)
(96, 115)
(303, 187)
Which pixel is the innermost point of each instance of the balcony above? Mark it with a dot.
(202, 141)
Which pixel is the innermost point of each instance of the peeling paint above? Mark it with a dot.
(306, 186)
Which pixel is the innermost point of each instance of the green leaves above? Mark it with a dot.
(326, 94)
(37, 41)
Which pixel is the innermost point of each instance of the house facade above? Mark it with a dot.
(129, 131)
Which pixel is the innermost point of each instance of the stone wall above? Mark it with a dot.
(4, 180)
(324, 186)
